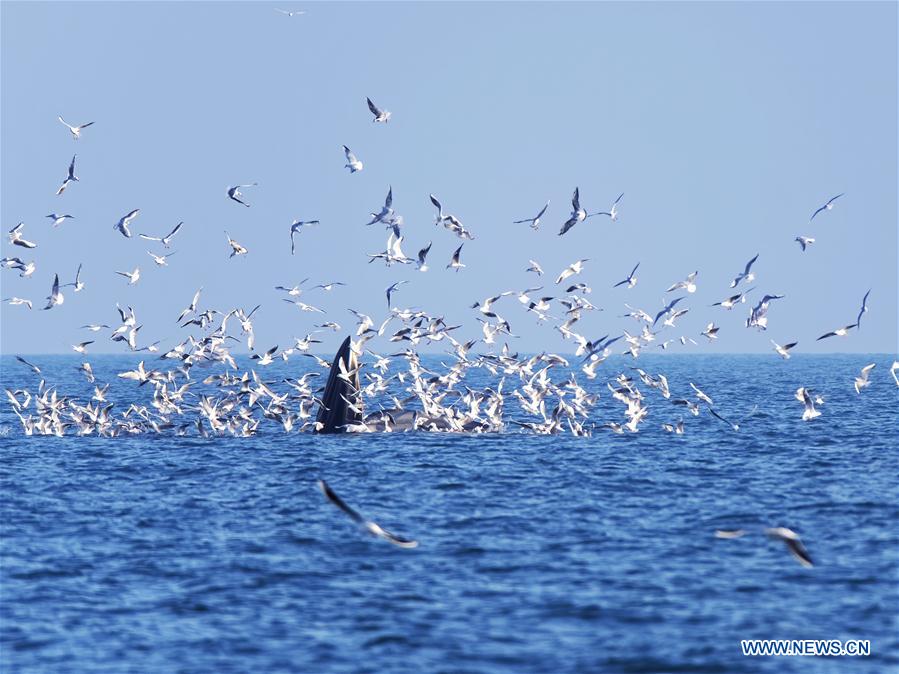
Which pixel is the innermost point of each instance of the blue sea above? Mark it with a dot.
(157, 553)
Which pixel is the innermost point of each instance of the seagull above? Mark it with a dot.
(455, 263)
(15, 237)
(16, 301)
(702, 396)
(133, 276)
(422, 255)
(380, 115)
(631, 280)
(160, 259)
(368, 525)
(613, 211)
(267, 358)
(328, 287)
(392, 289)
(386, 210)
(710, 332)
(59, 219)
(94, 328)
(735, 426)
(193, 306)
(746, 275)
(668, 307)
(234, 193)
(862, 380)
(34, 368)
(82, 347)
(352, 163)
(687, 284)
(535, 221)
(792, 541)
(76, 130)
(578, 214)
(295, 12)
(809, 413)
(535, 267)
(894, 369)
(782, 351)
(69, 178)
(165, 240)
(236, 248)
(862, 311)
(78, 284)
(296, 226)
(804, 241)
(571, 270)
(56, 297)
(826, 207)
(730, 302)
(839, 332)
(122, 224)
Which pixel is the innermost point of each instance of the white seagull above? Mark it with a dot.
(422, 256)
(571, 270)
(380, 115)
(386, 210)
(794, 544)
(687, 284)
(861, 381)
(631, 280)
(535, 221)
(613, 211)
(69, 178)
(352, 163)
(783, 351)
(125, 221)
(826, 207)
(578, 214)
(295, 227)
(132, 276)
(455, 263)
(56, 297)
(59, 219)
(15, 237)
(804, 241)
(160, 259)
(236, 248)
(535, 267)
(234, 193)
(862, 311)
(165, 240)
(745, 275)
(366, 524)
(76, 130)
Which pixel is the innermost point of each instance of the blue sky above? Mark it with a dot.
(725, 125)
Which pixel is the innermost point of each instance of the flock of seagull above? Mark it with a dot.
(226, 400)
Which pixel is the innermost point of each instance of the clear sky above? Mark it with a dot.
(725, 125)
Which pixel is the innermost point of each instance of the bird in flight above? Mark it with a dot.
(380, 115)
(804, 241)
(76, 130)
(366, 524)
(631, 280)
(165, 240)
(295, 227)
(535, 221)
(234, 193)
(826, 207)
(69, 178)
(15, 237)
(122, 224)
(352, 163)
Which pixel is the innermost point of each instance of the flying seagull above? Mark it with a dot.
(56, 297)
(295, 12)
(236, 248)
(839, 332)
(122, 224)
(782, 351)
(34, 368)
(368, 525)
(687, 284)
(631, 280)
(613, 211)
(804, 241)
(422, 255)
(69, 178)
(76, 130)
(380, 115)
(455, 263)
(59, 219)
(78, 283)
(862, 311)
(160, 259)
(234, 193)
(392, 289)
(296, 226)
(132, 276)
(826, 207)
(535, 267)
(535, 221)
(862, 380)
(15, 237)
(792, 541)
(386, 210)
(352, 163)
(746, 275)
(165, 240)
(578, 214)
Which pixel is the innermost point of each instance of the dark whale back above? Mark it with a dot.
(333, 412)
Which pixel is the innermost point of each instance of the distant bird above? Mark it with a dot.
(165, 240)
(236, 248)
(94, 328)
(839, 332)
(17, 301)
(804, 241)
(386, 210)
(78, 285)
(366, 524)
(352, 163)
(782, 351)
(34, 368)
(535, 221)
(631, 280)
(826, 207)
(455, 263)
(422, 255)
(125, 221)
(668, 307)
(793, 542)
(69, 178)
(734, 425)
(613, 211)
(160, 259)
(710, 332)
(132, 276)
(862, 380)
(59, 219)
(56, 297)
(15, 237)
(746, 275)
(234, 193)
(392, 289)
(296, 12)
(687, 284)
(82, 347)
(76, 130)
(809, 413)
(578, 214)
(571, 270)
(894, 371)
(328, 287)
(535, 267)
(296, 226)
(730, 302)
(862, 311)
(380, 115)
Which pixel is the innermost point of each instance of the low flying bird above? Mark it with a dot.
(734, 425)
(295, 12)
(804, 241)
(805, 397)
(15, 237)
(234, 193)
(366, 524)
(34, 368)
(862, 380)
(267, 358)
(631, 280)
(296, 227)
(862, 311)
(82, 347)
(782, 351)
(839, 332)
(826, 207)
(793, 542)
(613, 211)
(132, 276)
(69, 178)
(165, 240)
(76, 130)
(535, 221)
(380, 115)
(59, 219)
(422, 256)
(125, 221)
(192, 307)
(236, 248)
(352, 163)
(455, 263)
(160, 259)
(746, 275)
(894, 371)
(392, 289)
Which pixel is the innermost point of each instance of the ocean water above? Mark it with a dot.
(156, 553)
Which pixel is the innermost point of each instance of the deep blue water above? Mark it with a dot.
(537, 554)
